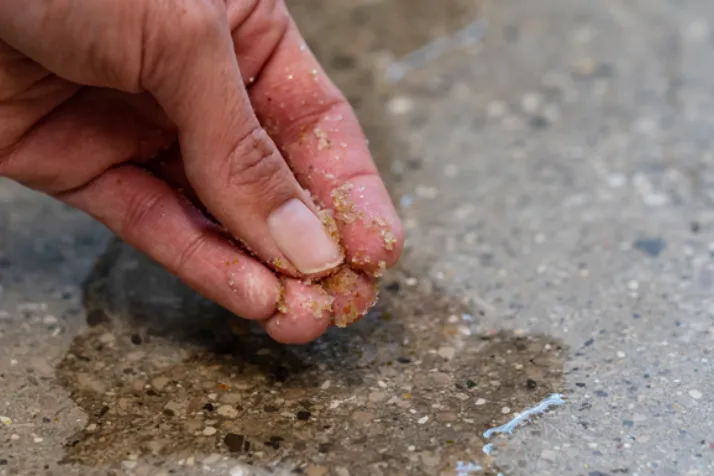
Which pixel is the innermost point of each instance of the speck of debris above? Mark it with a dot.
(589, 342)
(303, 415)
(651, 246)
(539, 122)
(136, 339)
(695, 394)
(234, 442)
(531, 384)
(403, 360)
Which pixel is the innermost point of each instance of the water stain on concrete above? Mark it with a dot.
(164, 375)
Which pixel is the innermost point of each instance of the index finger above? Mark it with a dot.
(320, 137)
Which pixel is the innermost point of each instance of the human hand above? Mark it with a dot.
(152, 116)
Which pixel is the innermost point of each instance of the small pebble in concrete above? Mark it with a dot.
(695, 394)
(548, 455)
(227, 411)
(234, 442)
(209, 431)
(159, 382)
(447, 353)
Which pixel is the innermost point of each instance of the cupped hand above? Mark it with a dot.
(205, 134)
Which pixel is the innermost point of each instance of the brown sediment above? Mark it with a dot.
(381, 268)
(381, 225)
(348, 316)
(345, 283)
(319, 307)
(345, 212)
(280, 305)
(361, 259)
(389, 239)
(342, 282)
(343, 204)
(328, 221)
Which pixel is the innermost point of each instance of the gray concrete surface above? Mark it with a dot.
(554, 166)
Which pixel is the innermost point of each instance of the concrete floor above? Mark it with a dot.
(553, 162)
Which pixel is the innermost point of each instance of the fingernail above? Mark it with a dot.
(303, 239)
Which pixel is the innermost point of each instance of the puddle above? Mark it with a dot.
(161, 376)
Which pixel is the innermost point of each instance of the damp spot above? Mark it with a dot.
(195, 386)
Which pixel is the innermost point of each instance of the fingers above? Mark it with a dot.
(78, 140)
(320, 137)
(152, 217)
(306, 311)
(231, 162)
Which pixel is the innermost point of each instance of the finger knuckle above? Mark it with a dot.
(255, 163)
(142, 213)
(188, 255)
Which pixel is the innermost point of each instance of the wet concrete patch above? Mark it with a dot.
(166, 375)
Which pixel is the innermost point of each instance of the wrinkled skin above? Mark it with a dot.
(180, 126)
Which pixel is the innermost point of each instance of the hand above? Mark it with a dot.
(189, 126)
